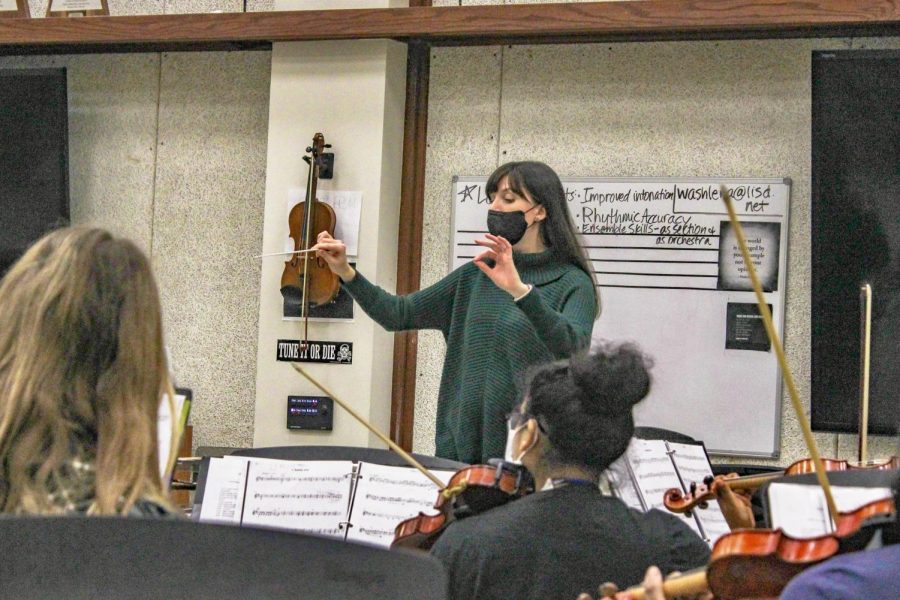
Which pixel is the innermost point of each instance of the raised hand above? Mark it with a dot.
(504, 273)
(334, 253)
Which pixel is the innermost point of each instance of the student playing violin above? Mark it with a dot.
(529, 297)
(873, 573)
(574, 421)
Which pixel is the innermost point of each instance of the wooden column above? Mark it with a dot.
(409, 255)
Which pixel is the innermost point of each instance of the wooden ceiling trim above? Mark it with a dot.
(595, 21)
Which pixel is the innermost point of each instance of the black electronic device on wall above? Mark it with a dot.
(855, 235)
(34, 158)
(310, 412)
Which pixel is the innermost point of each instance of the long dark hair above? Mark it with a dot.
(583, 404)
(558, 229)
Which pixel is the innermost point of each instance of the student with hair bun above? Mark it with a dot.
(574, 421)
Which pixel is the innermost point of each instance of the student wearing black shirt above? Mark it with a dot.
(568, 538)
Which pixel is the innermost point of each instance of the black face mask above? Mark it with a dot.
(510, 225)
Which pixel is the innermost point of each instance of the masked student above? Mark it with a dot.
(82, 375)
(574, 421)
(529, 297)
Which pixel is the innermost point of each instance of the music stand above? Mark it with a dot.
(105, 558)
(855, 478)
(373, 455)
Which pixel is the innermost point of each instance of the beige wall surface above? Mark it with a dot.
(169, 150)
(662, 109)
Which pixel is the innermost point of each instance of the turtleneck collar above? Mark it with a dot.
(539, 267)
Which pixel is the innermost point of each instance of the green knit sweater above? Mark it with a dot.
(491, 341)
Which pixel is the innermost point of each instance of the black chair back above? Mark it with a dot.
(100, 558)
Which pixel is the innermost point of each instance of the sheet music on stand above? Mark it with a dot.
(354, 501)
(801, 511)
(641, 476)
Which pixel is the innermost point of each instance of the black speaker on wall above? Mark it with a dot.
(34, 158)
(855, 235)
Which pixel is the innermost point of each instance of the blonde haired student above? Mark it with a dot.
(82, 373)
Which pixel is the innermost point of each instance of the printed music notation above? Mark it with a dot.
(403, 482)
(228, 503)
(649, 468)
(341, 499)
(696, 458)
(393, 499)
(224, 499)
(277, 512)
(387, 495)
(379, 515)
(378, 532)
(640, 460)
(653, 474)
(330, 532)
(289, 479)
(334, 497)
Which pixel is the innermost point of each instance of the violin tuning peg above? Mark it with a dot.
(703, 505)
(693, 487)
(328, 145)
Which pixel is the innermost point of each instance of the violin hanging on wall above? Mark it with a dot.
(306, 281)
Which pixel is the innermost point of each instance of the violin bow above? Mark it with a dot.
(865, 300)
(779, 353)
(403, 453)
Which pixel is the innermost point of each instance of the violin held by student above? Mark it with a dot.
(82, 373)
(574, 421)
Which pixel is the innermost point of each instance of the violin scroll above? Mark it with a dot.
(678, 501)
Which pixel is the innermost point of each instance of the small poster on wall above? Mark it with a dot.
(347, 207)
(744, 328)
(763, 241)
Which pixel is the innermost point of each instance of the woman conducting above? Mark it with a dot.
(528, 298)
(82, 374)
(574, 421)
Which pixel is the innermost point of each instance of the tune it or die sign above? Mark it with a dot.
(314, 352)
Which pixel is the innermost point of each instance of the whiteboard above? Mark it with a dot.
(672, 280)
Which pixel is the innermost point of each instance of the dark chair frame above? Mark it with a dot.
(102, 558)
